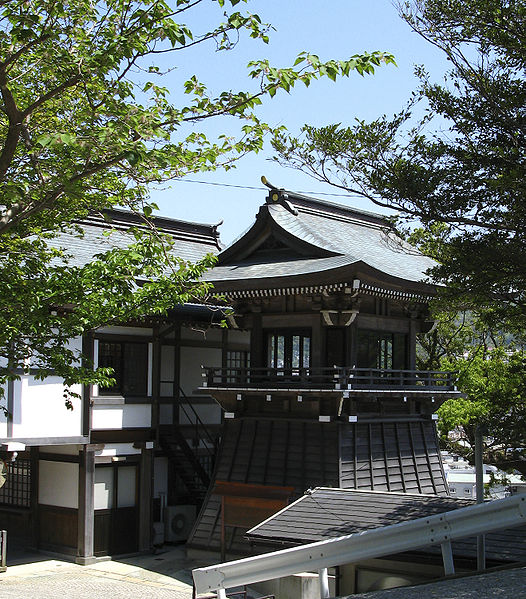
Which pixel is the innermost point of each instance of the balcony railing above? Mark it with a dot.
(329, 379)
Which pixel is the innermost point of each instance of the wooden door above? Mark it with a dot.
(116, 509)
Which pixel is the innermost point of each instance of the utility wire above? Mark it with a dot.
(315, 193)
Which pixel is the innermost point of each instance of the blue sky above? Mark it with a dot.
(332, 29)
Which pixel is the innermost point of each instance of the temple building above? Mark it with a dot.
(328, 393)
(312, 384)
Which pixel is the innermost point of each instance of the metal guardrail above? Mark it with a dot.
(439, 529)
(3, 550)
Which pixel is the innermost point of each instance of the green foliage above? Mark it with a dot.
(78, 135)
(490, 367)
(495, 386)
(467, 171)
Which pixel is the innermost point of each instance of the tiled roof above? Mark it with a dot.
(302, 454)
(325, 513)
(336, 236)
(192, 240)
(259, 268)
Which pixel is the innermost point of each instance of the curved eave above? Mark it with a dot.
(340, 275)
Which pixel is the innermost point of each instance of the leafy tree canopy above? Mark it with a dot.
(462, 164)
(490, 366)
(78, 134)
(495, 386)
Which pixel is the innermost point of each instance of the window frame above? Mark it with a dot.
(121, 374)
(271, 353)
(16, 491)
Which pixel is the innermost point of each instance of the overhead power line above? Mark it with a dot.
(315, 193)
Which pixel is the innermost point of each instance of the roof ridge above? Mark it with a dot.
(122, 220)
(385, 224)
(358, 211)
(377, 491)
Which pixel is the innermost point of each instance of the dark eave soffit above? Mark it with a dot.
(264, 228)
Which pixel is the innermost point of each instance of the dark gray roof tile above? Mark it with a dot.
(351, 236)
(192, 241)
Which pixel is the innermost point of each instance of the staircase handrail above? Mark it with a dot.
(198, 421)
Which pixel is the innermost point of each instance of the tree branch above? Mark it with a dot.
(15, 118)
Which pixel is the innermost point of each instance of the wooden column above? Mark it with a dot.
(35, 524)
(256, 342)
(86, 510)
(352, 344)
(318, 345)
(145, 500)
(176, 374)
(412, 344)
(87, 358)
(156, 382)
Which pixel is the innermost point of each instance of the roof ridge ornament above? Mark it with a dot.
(278, 195)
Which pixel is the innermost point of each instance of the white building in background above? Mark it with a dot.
(461, 478)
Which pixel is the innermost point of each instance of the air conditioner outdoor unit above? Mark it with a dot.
(178, 522)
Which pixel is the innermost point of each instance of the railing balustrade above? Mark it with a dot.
(326, 378)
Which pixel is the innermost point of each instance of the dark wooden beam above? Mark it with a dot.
(145, 500)
(125, 435)
(87, 353)
(86, 509)
(35, 524)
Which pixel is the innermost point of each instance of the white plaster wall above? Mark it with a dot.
(191, 360)
(122, 416)
(39, 409)
(239, 338)
(103, 488)
(58, 484)
(127, 482)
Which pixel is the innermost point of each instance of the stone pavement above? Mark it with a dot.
(501, 584)
(162, 576)
(167, 575)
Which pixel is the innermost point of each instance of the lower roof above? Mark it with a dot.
(325, 513)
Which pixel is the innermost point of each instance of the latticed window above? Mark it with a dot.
(380, 350)
(129, 361)
(17, 488)
(236, 361)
